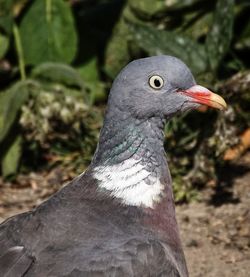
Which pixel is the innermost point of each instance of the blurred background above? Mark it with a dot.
(57, 62)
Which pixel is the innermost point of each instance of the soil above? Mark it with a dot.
(215, 231)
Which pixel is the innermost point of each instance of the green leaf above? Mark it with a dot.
(147, 7)
(90, 75)
(157, 42)
(180, 4)
(48, 32)
(117, 54)
(199, 25)
(10, 160)
(219, 38)
(10, 104)
(6, 18)
(4, 45)
(58, 73)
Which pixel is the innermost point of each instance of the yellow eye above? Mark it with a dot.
(156, 82)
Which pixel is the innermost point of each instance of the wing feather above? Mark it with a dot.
(15, 262)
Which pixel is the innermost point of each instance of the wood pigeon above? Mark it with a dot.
(118, 217)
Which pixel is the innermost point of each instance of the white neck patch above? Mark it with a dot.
(126, 181)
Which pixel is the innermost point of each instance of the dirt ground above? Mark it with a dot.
(215, 231)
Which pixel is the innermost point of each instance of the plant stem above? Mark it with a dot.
(19, 50)
(48, 10)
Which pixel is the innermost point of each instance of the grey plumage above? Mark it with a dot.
(81, 238)
(87, 229)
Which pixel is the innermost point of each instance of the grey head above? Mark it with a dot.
(145, 94)
(158, 86)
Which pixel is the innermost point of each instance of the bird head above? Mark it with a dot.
(159, 86)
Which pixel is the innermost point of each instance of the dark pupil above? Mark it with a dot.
(157, 83)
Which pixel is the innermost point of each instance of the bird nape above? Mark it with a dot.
(118, 217)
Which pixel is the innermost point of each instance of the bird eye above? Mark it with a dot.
(156, 82)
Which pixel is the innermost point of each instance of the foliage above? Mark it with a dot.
(58, 59)
(53, 37)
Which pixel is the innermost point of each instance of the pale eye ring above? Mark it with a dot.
(156, 82)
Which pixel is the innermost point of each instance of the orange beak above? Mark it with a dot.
(206, 97)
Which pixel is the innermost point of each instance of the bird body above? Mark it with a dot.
(103, 238)
(118, 217)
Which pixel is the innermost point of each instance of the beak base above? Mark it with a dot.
(206, 97)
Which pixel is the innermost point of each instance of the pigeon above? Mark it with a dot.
(118, 217)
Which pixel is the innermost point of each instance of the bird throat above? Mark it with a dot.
(130, 161)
